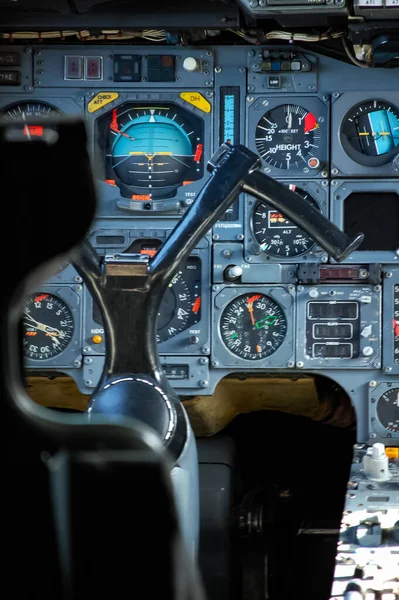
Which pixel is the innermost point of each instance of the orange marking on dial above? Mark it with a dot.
(41, 297)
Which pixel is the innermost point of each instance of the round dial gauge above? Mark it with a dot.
(370, 133)
(180, 308)
(24, 111)
(150, 150)
(388, 410)
(277, 235)
(253, 326)
(48, 326)
(288, 137)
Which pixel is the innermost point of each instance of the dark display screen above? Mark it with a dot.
(376, 215)
(336, 351)
(332, 310)
(332, 331)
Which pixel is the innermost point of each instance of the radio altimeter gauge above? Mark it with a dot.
(48, 326)
(370, 133)
(253, 326)
(388, 410)
(277, 235)
(288, 137)
(151, 149)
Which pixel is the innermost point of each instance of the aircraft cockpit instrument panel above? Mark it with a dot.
(257, 294)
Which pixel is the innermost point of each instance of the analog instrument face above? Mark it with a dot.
(48, 326)
(151, 149)
(388, 410)
(277, 235)
(253, 326)
(181, 304)
(24, 111)
(370, 133)
(288, 137)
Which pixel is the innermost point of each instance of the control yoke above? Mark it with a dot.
(129, 287)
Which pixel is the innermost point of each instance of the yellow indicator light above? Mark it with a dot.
(392, 452)
(101, 100)
(97, 339)
(197, 100)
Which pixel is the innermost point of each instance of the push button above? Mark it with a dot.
(93, 68)
(274, 82)
(73, 67)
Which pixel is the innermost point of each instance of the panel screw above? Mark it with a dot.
(203, 383)
(218, 69)
(38, 82)
(251, 88)
(78, 279)
(215, 236)
(226, 253)
(300, 364)
(88, 382)
(388, 369)
(205, 350)
(251, 53)
(363, 273)
(242, 69)
(203, 361)
(335, 95)
(209, 94)
(250, 98)
(291, 364)
(78, 288)
(377, 288)
(373, 436)
(215, 288)
(208, 82)
(373, 384)
(87, 360)
(28, 50)
(334, 183)
(214, 363)
(324, 183)
(209, 53)
(377, 365)
(265, 103)
(240, 237)
(86, 350)
(300, 288)
(77, 363)
(323, 259)
(388, 274)
(334, 172)
(311, 88)
(28, 88)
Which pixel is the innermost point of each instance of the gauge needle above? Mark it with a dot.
(41, 326)
(250, 307)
